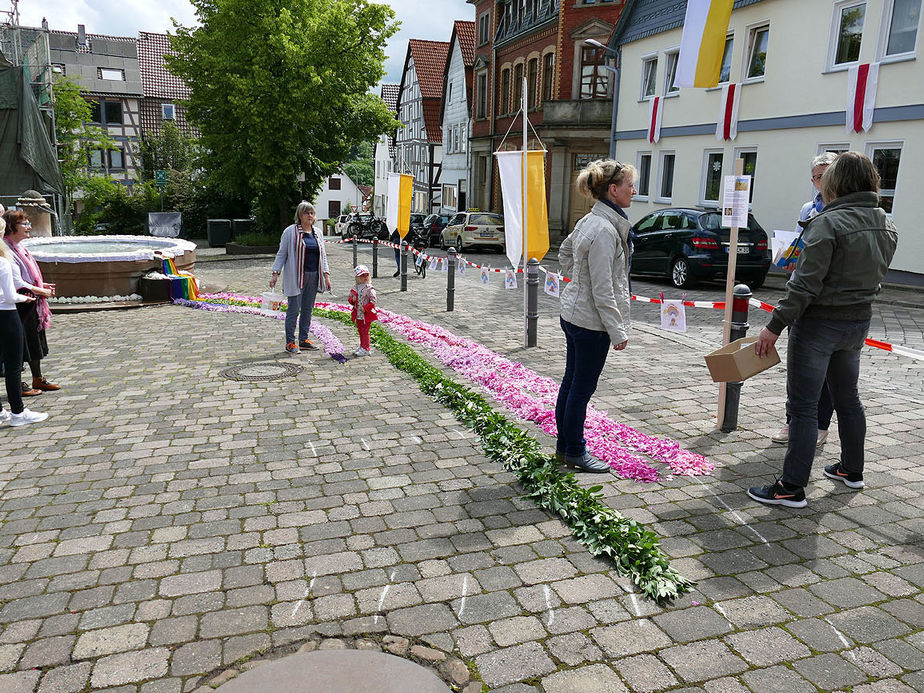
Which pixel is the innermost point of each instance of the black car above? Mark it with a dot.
(688, 244)
(432, 225)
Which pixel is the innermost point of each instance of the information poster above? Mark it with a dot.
(737, 192)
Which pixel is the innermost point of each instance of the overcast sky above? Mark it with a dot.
(424, 19)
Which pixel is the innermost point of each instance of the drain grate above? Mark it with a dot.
(262, 371)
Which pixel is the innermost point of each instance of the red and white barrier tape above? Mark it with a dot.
(716, 305)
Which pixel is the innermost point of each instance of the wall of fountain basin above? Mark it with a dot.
(105, 265)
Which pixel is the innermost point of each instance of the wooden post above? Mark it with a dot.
(729, 293)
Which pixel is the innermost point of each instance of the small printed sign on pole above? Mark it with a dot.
(735, 201)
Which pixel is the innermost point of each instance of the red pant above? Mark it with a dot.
(363, 327)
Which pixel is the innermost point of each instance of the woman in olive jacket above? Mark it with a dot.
(595, 303)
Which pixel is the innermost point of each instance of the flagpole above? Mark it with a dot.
(523, 205)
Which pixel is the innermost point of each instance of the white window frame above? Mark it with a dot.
(662, 155)
(117, 74)
(728, 37)
(888, 144)
(164, 108)
(671, 55)
(751, 33)
(748, 150)
(646, 59)
(705, 176)
(638, 165)
(885, 26)
(836, 14)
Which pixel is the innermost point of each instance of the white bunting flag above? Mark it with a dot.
(553, 284)
(510, 279)
(485, 275)
(673, 316)
(461, 268)
(434, 263)
(444, 265)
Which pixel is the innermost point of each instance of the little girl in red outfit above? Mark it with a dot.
(362, 298)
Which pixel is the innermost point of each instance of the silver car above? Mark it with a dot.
(469, 229)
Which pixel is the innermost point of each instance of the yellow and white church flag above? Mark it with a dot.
(703, 43)
(398, 212)
(510, 165)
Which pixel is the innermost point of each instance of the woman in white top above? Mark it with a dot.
(11, 341)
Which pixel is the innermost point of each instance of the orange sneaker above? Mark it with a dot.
(292, 348)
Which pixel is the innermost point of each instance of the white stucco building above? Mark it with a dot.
(384, 155)
(337, 192)
(455, 117)
(790, 60)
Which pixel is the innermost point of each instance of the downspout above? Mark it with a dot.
(616, 72)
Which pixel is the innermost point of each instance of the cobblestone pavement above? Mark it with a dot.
(166, 522)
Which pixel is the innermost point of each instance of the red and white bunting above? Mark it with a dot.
(861, 96)
(654, 120)
(727, 124)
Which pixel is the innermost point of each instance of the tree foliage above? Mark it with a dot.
(76, 139)
(281, 87)
(170, 149)
(361, 168)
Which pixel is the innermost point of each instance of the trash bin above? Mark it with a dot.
(240, 227)
(219, 232)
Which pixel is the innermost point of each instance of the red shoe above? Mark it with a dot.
(44, 385)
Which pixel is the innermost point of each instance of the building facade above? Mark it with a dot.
(542, 45)
(337, 193)
(162, 91)
(792, 106)
(384, 155)
(455, 117)
(109, 75)
(419, 143)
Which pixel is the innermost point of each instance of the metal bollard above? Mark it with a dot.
(739, 328)
(354, 250)
(451, 280)
(375, 257)
(532, 301)
(404, 265)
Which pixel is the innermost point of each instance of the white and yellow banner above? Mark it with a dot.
(510, 165)
(398, 212)
(703, 43)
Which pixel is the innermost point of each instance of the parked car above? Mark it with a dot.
(468, 229)
(688, 244)
(433, 224)
(340, 225)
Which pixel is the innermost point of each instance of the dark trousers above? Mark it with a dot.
(303, 304)
(819, 351)
(825, 409)
(586, 353)
(11, 341)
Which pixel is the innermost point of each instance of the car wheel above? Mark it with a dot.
(681, 277)
(459, 244)
(755, 283)
(443, 245)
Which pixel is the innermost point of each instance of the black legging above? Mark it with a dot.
(11, 354)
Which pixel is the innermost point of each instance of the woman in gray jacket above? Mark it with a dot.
(595, 304)
(303, 262)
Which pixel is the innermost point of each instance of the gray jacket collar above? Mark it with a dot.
(613, 217)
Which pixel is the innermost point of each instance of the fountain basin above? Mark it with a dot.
(105, 265)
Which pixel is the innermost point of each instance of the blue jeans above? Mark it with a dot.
(586, 354)
(821, 350)
(301, 303)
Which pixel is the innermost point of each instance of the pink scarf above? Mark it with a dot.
(35, 274)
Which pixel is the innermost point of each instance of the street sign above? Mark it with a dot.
(160, 178)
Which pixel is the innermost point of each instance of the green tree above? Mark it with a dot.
(282, 87)
(360, 167)
(76, 139)
(170, 149)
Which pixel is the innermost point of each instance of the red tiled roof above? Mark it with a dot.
(390, 96)
(465, 34)
(429, 62)
(431, 109)
(158, 82)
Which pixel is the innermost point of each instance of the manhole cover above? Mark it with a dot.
(270, 370)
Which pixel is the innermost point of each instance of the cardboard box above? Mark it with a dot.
(737, 361)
